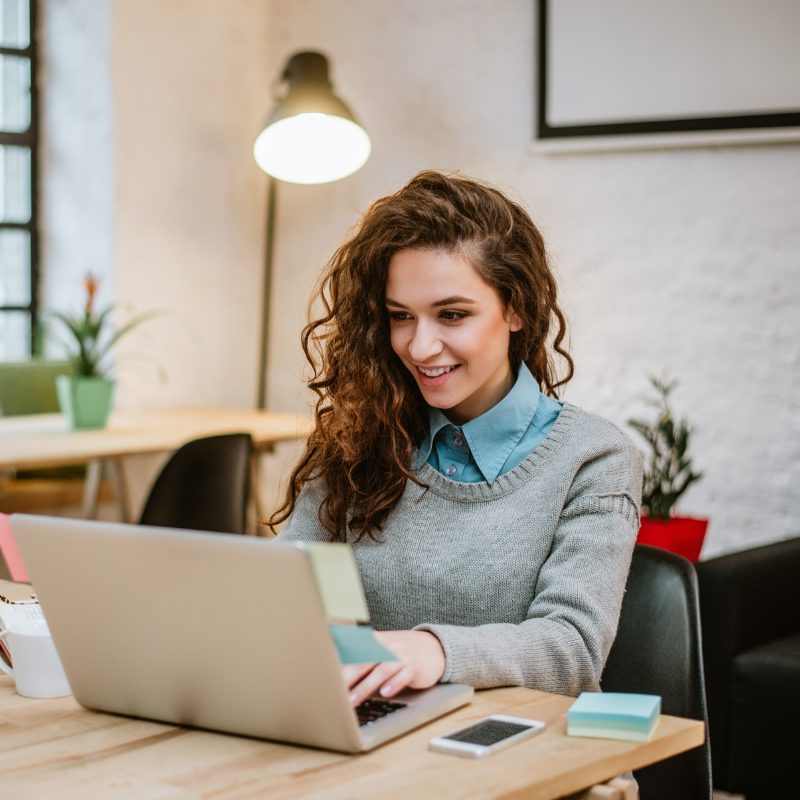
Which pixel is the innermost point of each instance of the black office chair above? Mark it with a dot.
(204, 485)
(658, 651)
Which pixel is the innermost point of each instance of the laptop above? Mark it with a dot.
(207, 630)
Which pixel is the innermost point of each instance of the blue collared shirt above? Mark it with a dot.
(497, 440)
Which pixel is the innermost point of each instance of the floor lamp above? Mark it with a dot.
(311, 136)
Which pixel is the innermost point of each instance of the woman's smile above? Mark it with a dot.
(434, 377)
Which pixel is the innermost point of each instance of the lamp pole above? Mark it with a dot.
(311, 136)
(266, 289)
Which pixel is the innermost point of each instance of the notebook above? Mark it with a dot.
(208, 630)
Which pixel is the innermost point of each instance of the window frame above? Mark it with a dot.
(29, 140)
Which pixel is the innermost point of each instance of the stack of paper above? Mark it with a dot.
(610, 715)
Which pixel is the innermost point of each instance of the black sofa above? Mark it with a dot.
(750, 613)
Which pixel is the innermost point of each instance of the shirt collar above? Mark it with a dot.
(495, 433)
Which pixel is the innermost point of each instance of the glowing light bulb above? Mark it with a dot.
(312, 148)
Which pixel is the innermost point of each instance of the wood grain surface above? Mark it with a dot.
(57, 749)
(43, 440)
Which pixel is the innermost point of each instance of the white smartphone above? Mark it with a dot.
(487, 736)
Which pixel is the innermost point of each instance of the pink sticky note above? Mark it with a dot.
(9, 551)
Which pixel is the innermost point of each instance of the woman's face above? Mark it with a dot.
(450, 330)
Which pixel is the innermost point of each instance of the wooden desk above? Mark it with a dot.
(43, 440)
(55, 748)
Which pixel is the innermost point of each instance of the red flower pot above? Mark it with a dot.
(681, 535)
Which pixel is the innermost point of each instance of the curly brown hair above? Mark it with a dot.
(369, 412)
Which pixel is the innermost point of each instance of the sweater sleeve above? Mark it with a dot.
(563, 643)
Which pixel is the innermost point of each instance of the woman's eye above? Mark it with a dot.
(398, 316)
(453, 316)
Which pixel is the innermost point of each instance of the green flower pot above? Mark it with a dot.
(85, 402)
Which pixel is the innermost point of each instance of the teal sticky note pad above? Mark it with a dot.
(356, 644)
(615, 706)
(338, 581)
(615, 715)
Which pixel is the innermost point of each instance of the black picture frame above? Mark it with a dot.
(685, 125)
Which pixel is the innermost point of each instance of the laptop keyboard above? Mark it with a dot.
(372, 709)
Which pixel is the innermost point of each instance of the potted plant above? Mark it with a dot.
(668, 474)
(85, 397)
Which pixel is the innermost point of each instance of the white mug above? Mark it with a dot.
(37, 668)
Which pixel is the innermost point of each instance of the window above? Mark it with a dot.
(18, 218)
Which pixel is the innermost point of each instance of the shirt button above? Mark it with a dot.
(458, 441)
(451, 470)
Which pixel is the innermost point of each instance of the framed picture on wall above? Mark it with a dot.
(622, 73)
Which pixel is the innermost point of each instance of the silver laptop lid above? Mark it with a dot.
(210, 630)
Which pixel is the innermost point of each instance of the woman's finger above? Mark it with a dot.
(372, 682)
(353, 673)
(397, 682)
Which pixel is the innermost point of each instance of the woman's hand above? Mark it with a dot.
(420, 665)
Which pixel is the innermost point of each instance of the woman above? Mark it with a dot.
(492, 525)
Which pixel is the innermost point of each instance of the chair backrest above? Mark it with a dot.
(747, 599)
(28, 387)
(658, 650)
(204, 486)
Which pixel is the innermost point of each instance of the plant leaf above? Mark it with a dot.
(668, 472)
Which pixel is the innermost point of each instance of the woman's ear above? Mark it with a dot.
(514, 320)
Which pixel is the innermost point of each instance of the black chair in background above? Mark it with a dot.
(750, 607)
(204, 485)
(658, 650)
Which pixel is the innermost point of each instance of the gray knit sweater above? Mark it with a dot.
(521, 580)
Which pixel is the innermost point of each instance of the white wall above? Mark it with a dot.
(150, 111)
(683, 260)
(190, 91)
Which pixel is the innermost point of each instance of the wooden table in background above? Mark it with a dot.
(55, 748)
(43, 440)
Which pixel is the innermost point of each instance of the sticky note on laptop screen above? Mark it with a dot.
(338, 581)
(614, 715)
(356, 644)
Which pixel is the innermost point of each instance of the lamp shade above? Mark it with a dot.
(311, 136)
